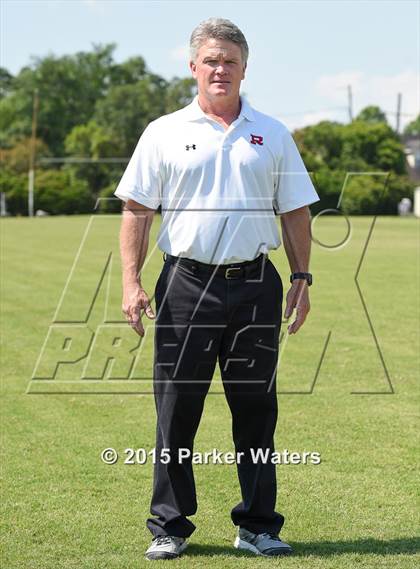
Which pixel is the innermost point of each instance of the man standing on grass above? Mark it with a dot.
(220, 171)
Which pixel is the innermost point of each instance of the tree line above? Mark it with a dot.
(91, 107)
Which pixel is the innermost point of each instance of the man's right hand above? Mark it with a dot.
(135, 302)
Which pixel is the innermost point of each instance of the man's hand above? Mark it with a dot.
(136, 301)
(297, 297)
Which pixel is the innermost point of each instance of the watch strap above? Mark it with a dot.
(303, 276)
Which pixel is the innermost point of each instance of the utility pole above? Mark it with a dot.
(31, 174)
(350, 102)
(3, 210)
(397, 126)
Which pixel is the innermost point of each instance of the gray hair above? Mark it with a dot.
(220, 29)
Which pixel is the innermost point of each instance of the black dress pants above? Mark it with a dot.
(201, 319)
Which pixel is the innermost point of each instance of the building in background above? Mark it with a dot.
(412, 152)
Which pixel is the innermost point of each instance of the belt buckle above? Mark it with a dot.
(228, 272)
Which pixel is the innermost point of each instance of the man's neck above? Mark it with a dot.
(223, 111)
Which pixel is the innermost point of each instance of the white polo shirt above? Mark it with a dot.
(218, 188)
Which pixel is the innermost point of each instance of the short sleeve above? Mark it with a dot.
(142, 179)
(293, 185)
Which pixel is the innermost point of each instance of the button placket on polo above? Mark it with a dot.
(219, 130)
(226, 144)
(226, 141)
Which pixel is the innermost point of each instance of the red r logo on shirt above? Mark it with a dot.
(255, 139)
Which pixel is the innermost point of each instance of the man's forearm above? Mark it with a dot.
(134, 241)
(296, 233)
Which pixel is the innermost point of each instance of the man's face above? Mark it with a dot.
(218, 69)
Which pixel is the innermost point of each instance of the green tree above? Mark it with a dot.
(92, 141)
(6, 82)
(373, 194)
(372, 114)
(68, 87)
(15, 118)
(16, 159)
(61, 192)
(15, 186)
(128, 109)
(74, 89)
(179, 93)
(331, 151)
(375, 145)
(119, 120)
(128, 72)
(321, 144)
(56, 191)
(89, 108)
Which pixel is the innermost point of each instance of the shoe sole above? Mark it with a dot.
(246, 546)
(160, 555)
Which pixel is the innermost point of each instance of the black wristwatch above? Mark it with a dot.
(306, 276)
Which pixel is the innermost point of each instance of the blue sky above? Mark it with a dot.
(303, 54)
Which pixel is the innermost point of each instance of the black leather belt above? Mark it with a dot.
(230, 271)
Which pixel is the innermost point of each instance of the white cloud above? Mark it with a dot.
(301, 120)
(180, 53)
(381, 90)
(334, 87)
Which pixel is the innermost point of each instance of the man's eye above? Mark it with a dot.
(213, 61)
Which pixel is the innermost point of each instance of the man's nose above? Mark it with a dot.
(221, 69)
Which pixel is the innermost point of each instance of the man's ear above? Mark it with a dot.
(193, 69)
(243, 71)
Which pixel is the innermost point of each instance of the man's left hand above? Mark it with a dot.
(297, 297)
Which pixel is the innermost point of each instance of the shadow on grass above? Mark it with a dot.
(397, 546)
(368, 546)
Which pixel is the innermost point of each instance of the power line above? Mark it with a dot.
(401, 114)
(31, 173)
(350, 102)
(397, 124)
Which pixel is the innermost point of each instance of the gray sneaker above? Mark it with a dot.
(166, 547)
(267, 544)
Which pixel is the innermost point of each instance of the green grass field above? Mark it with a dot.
(63, 508)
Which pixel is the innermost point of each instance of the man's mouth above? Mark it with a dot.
(221, 82)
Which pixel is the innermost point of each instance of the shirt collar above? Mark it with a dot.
(194, 111)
